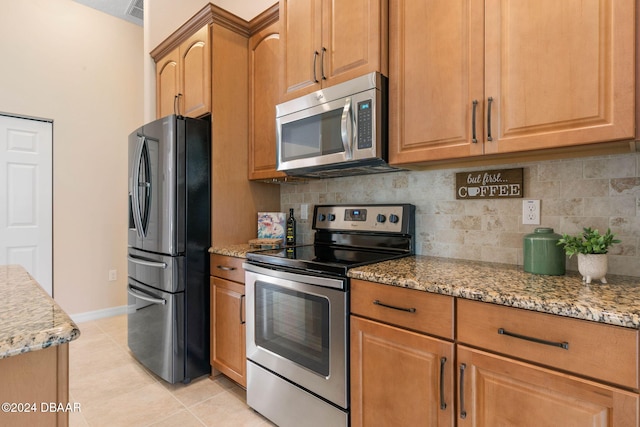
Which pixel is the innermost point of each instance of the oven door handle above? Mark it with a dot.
(143, 297)
(327, 282)
(346, 129)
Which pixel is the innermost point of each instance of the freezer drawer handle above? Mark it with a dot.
(147, 263)
(410, 310)
(145, 298)
(563, 344)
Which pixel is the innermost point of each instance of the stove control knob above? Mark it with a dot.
(332, 217)
(381, 218)
(394, 218)
(321, 217)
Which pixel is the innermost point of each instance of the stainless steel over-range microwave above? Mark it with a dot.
(337, 131)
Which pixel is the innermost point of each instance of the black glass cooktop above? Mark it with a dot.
(321, 258)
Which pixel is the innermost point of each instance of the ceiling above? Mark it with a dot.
(129, 10)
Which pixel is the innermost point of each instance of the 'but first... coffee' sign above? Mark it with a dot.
(489, 184)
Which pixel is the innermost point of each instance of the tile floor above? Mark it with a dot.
(113, 389)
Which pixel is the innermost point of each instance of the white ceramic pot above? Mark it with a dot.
(593, 267)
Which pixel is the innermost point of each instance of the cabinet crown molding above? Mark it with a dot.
(266, 18)
(210, 14)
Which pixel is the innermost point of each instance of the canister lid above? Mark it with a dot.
(543, 230)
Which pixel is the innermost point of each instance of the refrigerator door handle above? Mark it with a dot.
(142, 296)
(135, 190)
(146, 263)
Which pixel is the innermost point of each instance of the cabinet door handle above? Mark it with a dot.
(564, 344)
(463, 411)
(410, 310)
(176, 104)
(443, 404)
(242, 320)
(315, 60)
(324, 49)
(474, 139)
(225, 268)
(489, 102)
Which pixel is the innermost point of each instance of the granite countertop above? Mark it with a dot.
(29, 318)
(615, 303)
(238, 251)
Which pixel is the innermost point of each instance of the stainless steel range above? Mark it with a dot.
(298, 311)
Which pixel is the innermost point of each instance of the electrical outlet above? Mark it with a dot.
(113, 275)
(304, 211)
(531, 212)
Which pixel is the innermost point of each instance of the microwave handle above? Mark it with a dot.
(346, 128)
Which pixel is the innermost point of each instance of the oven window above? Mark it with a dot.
(294, 325)
(313, 136)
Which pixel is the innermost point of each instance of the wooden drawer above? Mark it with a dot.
(604, 352)
(227, 267)
(408, 308)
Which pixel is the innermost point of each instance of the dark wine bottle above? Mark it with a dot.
(291, 229)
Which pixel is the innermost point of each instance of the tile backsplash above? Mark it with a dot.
(599, 192)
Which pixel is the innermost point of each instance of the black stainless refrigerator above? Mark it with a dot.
(168, 241)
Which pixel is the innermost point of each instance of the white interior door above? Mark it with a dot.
(26, 196)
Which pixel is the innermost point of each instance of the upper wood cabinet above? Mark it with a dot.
(264, 93)
(183, 78)
(474, 77)
(167, 83)
(325, 42)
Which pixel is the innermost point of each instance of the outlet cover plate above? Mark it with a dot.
(531, 212)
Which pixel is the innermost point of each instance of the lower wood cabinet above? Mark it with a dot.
(399, 377)
(228, 354)
(498, 391)
(535, 369)
(399, 374)
(36, 380)
(511, 367)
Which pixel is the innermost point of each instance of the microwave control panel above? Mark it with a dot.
(365, 124)
(372, 218)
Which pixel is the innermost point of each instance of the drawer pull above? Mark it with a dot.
(443, 404)
(225, 268)
(463, 412)
(409, 310)
(242, 321)
(563, 344)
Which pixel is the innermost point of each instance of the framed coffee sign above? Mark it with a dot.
(489, 184)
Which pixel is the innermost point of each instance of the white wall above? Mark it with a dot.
(84, 70)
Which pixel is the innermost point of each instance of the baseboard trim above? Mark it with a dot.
(99, 314)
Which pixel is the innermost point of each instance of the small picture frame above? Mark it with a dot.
(271, 225)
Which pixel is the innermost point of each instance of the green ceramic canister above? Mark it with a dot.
(542, 255)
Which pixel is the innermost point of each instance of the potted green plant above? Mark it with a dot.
(591, 248)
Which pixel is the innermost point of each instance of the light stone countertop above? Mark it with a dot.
(29, 318)
(615, 303)
(238, 251)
